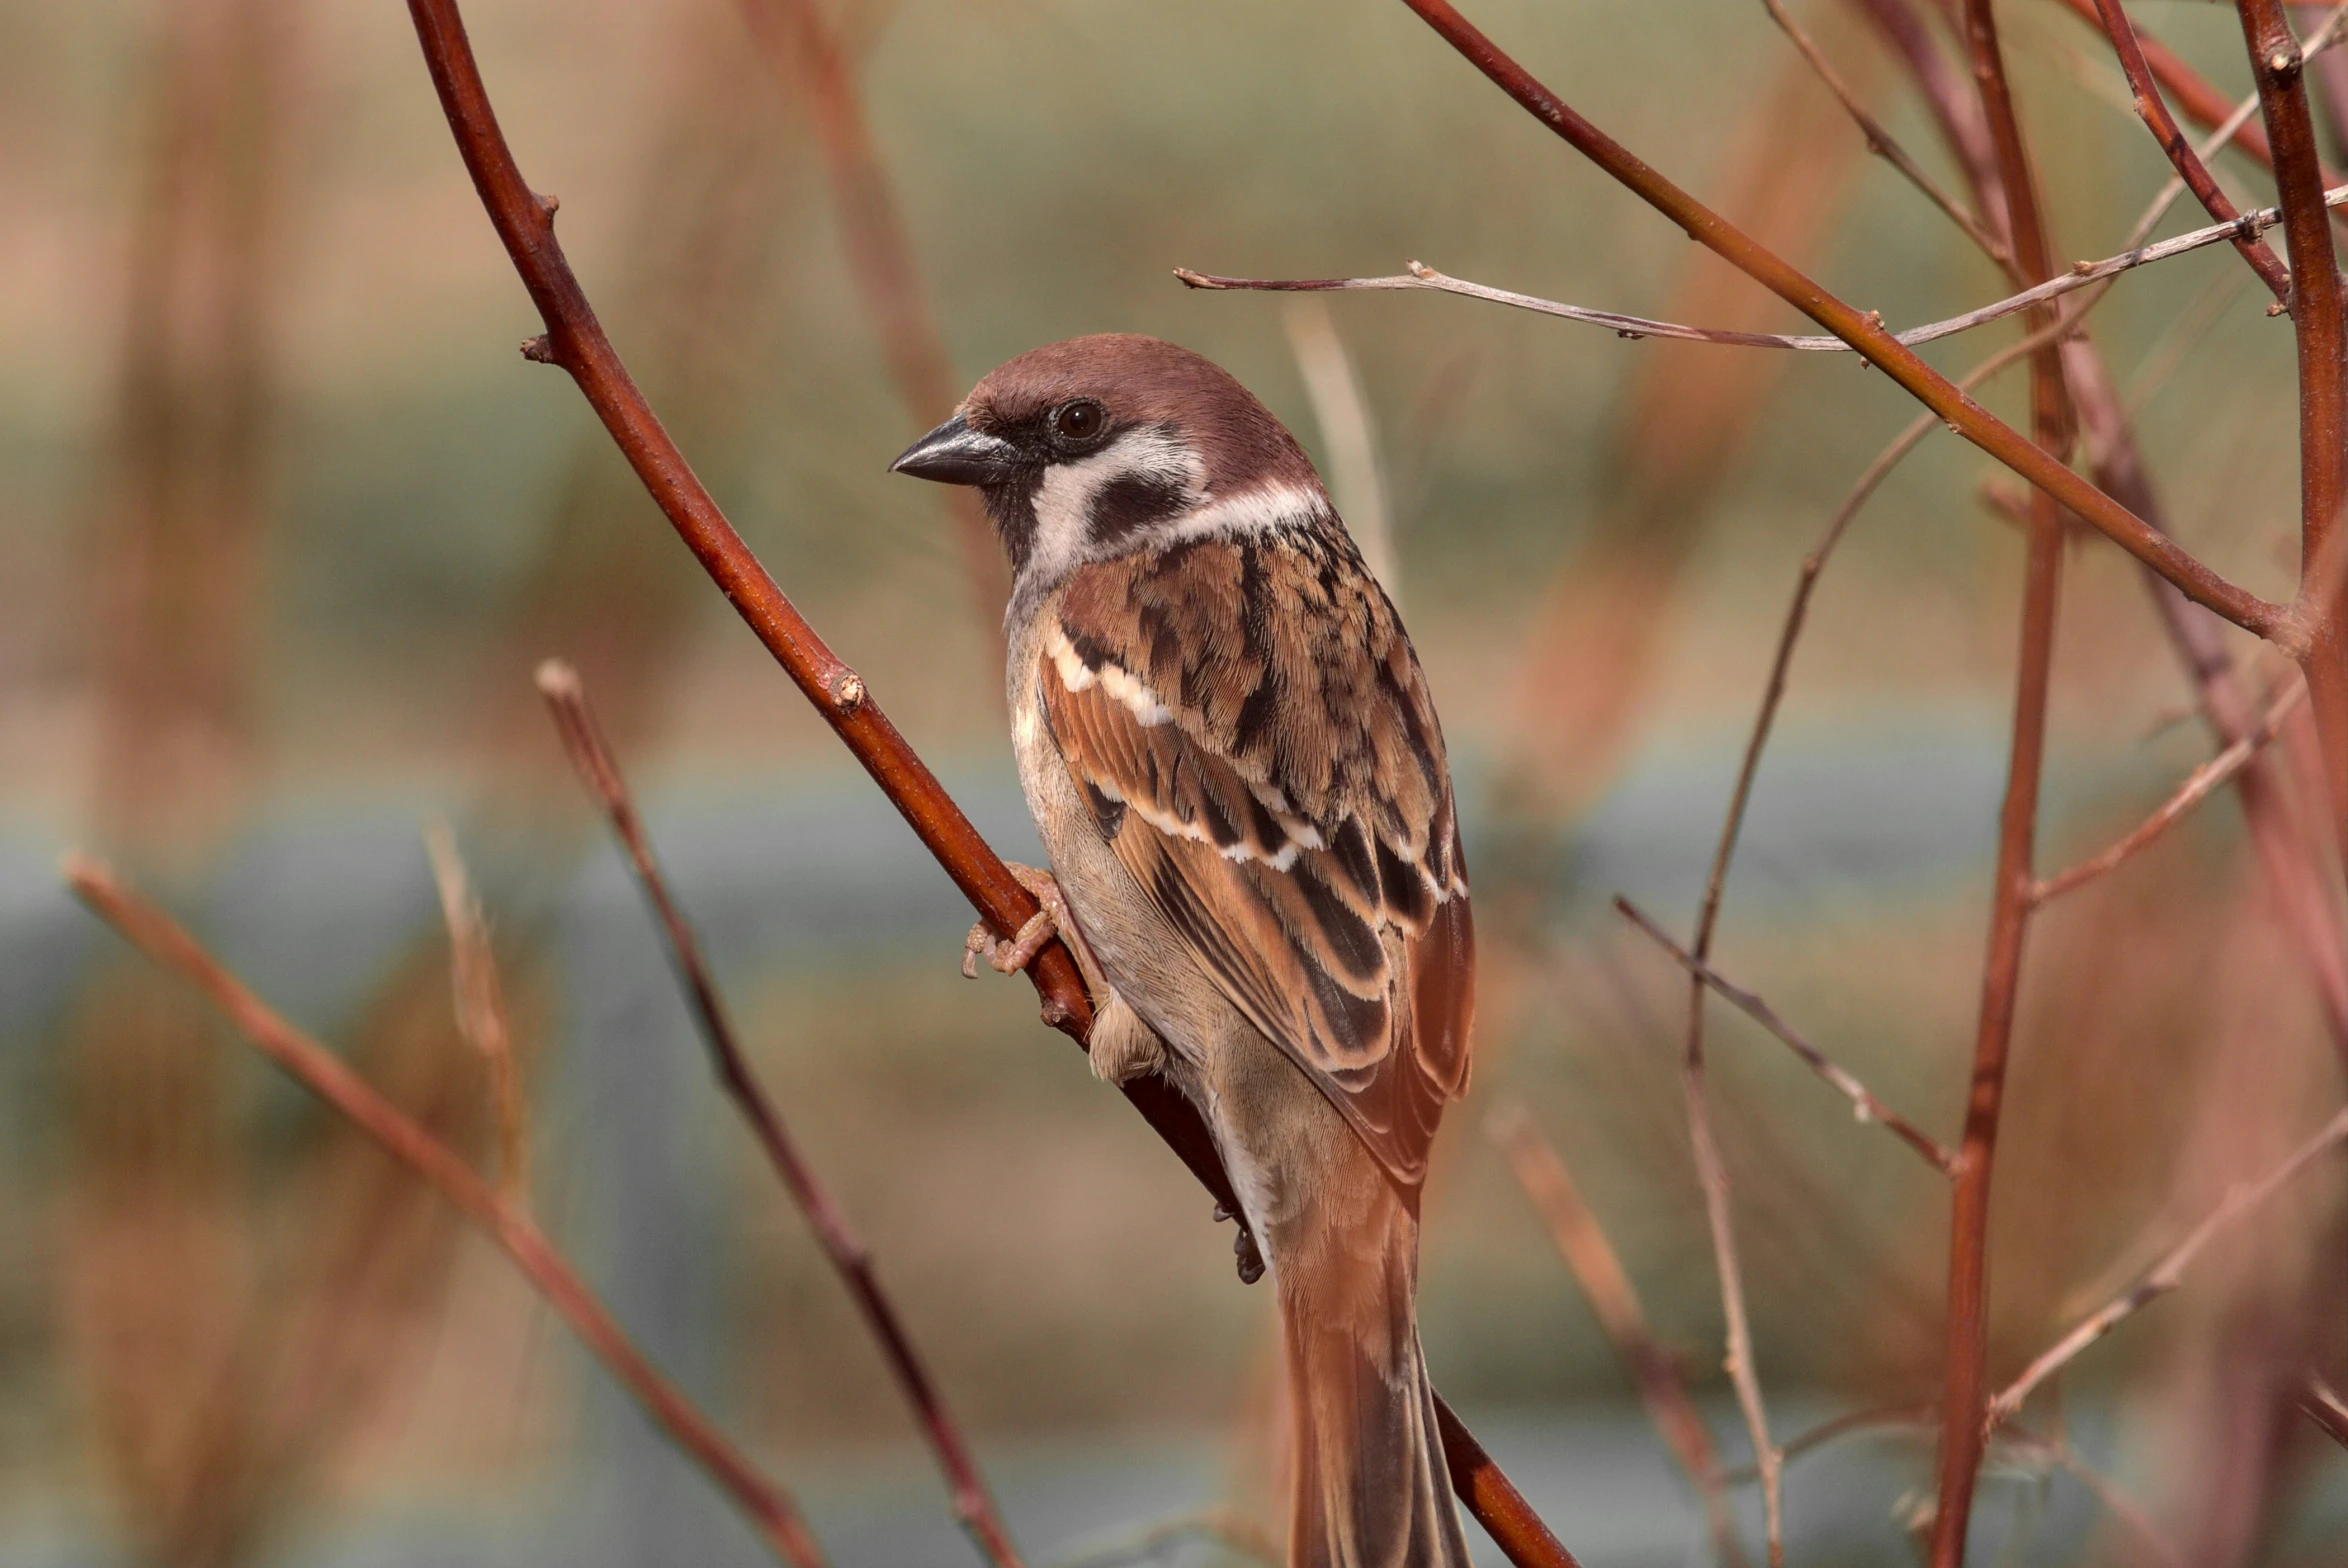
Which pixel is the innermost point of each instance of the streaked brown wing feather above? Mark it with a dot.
(1255, 736)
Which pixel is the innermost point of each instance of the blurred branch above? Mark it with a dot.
(2325, 1408)
(2199, 785)
(481, 1011)
(1864, 1104)
(2166, 1274)
(1654, 1371)
(2154, 111)
(1880, 141)
(1343, 413)
(807, 52)
(575, 340)
(770, 1509)
(599, 772)
(2245, 227)
(2053, 429)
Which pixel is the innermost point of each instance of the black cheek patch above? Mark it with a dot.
(1127, 505)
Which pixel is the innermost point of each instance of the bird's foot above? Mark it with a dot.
(1008, 956)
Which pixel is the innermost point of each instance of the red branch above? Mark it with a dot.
(599, 771)
(2317, 317)
(1863, 332)
(575, 340)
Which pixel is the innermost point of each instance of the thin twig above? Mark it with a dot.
(1880, 141)
(2061, 1455)
(1864, 1105)
(576, 341)
(2167, 1273)
(1420, 276)
(148, 928)
(481, 1011)
(2199, 785)
(1654, 1371)
(599, 771)
(2154, 111)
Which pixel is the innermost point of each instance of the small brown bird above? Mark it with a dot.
(1230, 753)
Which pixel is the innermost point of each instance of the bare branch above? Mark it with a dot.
(599, 771)
(770, 1510)
(2166, 1274)
(1420, 276)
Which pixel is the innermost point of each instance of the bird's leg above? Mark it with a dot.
(1121, 1047)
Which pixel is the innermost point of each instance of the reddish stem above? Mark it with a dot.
(2321, 610)
(1965, 1394)
(2154, 111)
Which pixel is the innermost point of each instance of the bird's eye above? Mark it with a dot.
(1079, 423)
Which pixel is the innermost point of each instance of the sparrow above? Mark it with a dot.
(1232, 759)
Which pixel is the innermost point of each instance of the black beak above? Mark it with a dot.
(955, 454)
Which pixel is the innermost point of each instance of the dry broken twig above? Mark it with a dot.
(599, 771)
(770, 1510)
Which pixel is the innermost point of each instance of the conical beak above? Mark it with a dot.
(955, 454)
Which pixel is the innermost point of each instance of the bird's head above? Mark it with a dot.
(1099, 446)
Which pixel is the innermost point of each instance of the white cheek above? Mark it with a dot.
(1064, 499)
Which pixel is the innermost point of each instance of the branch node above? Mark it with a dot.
(846, 691)
(539, 350)
(548, 205)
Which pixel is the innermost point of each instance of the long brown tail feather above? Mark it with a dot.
(1371, 1488)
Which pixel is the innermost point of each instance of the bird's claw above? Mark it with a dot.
(1243, 1247)
(1007, 957)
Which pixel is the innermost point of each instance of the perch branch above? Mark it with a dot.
(162, 939)
(599, 771)
(1863, 332)
(575, 340)
(2154, 111)
(2165, 1275)
(1653, 1370)
(1864, 1105)
(2199, 785)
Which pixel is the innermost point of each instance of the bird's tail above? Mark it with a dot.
(1371, 1490)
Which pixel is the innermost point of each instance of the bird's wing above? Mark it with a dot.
(1252, 733)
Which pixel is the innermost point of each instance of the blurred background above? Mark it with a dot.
(286, 523)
